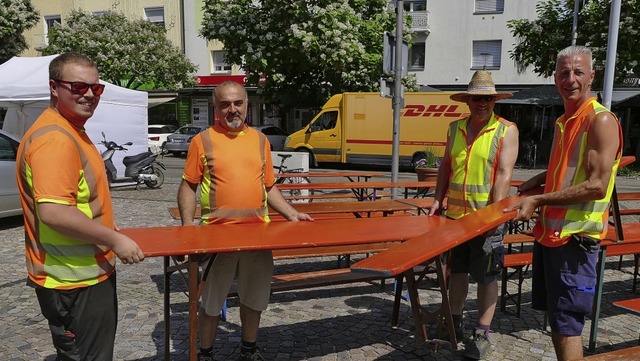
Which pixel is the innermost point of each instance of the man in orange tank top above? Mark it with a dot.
(578, 183)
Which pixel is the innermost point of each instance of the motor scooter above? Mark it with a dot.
(139, 168)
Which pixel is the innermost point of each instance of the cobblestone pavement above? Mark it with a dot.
(349, 322)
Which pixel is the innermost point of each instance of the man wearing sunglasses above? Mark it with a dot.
(476, 171)
(71, 239)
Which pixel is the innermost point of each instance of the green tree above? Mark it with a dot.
(538, 41)
(305, 50)
(16, 16)
(128, 53)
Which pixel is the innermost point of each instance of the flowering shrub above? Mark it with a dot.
(306, 50)
(16, 16)
(128, 53)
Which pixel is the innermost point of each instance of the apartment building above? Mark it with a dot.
(452, 39)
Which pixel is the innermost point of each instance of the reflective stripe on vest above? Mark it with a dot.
(68, 263)
(208, 187)
(473, 168)
(567, 168)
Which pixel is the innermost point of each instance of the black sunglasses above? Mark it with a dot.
(486, 98)
(81, 88)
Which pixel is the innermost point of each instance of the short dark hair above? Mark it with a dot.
(58, 63)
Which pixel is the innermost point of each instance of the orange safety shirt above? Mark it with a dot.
(235, 170)
(58, 163)
(567, 167)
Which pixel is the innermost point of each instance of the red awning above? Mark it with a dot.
(208, 80)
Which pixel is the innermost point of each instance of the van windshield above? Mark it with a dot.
(326, 121)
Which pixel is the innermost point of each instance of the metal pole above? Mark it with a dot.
(609, 74)
(398, 101)
(612, 47)
(574, 28)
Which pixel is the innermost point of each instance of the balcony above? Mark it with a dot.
(420, 21)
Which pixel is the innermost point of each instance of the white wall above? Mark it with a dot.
(449, 46)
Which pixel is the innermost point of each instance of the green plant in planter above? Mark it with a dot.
(426, 159)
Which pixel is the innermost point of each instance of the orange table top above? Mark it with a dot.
(632, 305)
(180, 240)
(384, 205)
(436, 241)
(624, 354)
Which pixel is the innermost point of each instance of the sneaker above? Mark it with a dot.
(248, 356)
(202, 357)
(478, 346)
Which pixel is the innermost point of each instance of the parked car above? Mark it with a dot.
(9, 199)
(158, 134)
(179, 141)
(275, 135)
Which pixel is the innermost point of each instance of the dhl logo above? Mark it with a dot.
(439, 110)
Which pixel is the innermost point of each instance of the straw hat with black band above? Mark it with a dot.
(481, 84)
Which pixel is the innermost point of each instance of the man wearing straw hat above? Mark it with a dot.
(476, 171)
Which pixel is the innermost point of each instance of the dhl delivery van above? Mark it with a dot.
(357, 128)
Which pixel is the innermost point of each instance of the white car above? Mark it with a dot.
(276, 135)
(158, 134)
(9, 199)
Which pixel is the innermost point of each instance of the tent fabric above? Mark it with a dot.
(121, 113)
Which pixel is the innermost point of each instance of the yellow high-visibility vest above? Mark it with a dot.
(473, 165)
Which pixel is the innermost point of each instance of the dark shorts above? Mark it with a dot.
(563, 284)
(82, 321)
(480, 257)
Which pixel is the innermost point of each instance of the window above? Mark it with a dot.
(415, 5)
(489, 6)
(326, 121)
(155, 15)
(8, 148)
(49, 22)
(219, 64)
(100, 12)
(416, 56)
(487, 54)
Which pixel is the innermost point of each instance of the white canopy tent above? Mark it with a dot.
(121, 114)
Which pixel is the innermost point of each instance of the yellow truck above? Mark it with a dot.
(357, 128)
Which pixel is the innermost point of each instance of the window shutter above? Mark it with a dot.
(487, 53)
(489, 6)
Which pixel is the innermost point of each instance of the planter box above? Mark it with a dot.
(427, 174)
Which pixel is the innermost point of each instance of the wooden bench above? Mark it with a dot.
(625, 354)
(631, 305)
(327, 277)
(520, 261)
(330, 196)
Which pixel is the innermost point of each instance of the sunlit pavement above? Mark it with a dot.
(348, 322)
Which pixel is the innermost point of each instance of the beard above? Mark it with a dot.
(235, 123)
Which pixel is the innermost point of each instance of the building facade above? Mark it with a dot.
(453, 39)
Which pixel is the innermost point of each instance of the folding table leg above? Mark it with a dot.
(416, 308)
(167, 308)
(441, 269)
(396, 301)
(193, 307)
